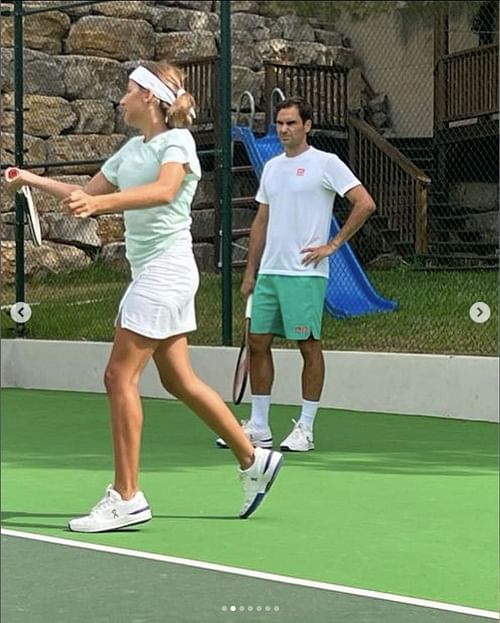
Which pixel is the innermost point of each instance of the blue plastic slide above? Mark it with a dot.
(349, 292)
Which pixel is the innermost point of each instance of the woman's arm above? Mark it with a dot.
(98, 185)
(160, 192)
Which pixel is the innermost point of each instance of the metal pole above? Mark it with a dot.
(19, 146)
(226, 198)
(61, 7)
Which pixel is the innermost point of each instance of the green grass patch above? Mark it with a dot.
(433, 315)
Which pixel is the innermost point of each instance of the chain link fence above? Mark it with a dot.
(405, 95)
(77, 57)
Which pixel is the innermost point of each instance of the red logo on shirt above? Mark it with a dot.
(301, 172)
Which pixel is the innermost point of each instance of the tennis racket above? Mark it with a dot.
(243, 361)
(32, 212)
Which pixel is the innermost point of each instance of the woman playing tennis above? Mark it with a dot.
(152, 179)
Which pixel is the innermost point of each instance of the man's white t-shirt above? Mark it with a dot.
(300, 192)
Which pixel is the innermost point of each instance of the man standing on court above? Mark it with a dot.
(287, 268)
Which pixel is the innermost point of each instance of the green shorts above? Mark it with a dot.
(288, 306)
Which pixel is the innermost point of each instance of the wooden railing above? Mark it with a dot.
(471, 83)
(202, 79)
(399, 188)
(323, 86)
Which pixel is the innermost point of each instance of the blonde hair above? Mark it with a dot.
(178, 114)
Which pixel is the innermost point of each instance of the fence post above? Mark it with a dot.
(441, 103)
(19, 155)
(215, 88)
(226, 199)
(269, 85)
(441, 47)
(421, 224)
(351, 141)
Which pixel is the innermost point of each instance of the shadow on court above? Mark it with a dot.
(12, 519)
(405, 505)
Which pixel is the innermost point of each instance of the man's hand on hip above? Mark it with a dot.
(314, 255)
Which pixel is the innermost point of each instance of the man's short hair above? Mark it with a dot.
(304, 108)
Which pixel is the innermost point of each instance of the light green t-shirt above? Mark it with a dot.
(149, 231)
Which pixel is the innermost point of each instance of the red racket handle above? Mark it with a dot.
(11, 173)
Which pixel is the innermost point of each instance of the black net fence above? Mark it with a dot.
(404, 93)
(407, 95)
(76, 61)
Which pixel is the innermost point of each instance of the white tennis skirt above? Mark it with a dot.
(160, 301)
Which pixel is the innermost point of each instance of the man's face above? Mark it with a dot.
(292, 131)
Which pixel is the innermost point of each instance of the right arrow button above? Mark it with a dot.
(480, 312)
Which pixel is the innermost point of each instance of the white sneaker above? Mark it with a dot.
(112, 513)
(259, 437)
(258, 479)
(301, 439)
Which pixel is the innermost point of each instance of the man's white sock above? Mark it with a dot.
(308, 413)
(260, 411)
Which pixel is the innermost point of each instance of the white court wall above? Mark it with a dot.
(434, 385)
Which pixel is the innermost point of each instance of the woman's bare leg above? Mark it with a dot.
(179, 379)
(129, 356)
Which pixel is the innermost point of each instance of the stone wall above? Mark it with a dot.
(75, 71)
(480, 202)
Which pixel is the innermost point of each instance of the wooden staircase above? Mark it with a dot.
(398, 186)
(452, 242)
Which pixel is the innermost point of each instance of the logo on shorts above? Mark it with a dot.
(302, 329)
(301, 172)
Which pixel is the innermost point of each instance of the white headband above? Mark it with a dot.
(148, 80)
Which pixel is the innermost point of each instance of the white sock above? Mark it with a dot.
(260, 411)
(308, 413)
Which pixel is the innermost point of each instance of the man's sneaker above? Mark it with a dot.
(299, 440)
(112, 513)
(258, 479)
(259, 437)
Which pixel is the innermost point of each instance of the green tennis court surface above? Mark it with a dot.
(395, 504)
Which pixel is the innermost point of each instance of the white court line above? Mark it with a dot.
(198, 564)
